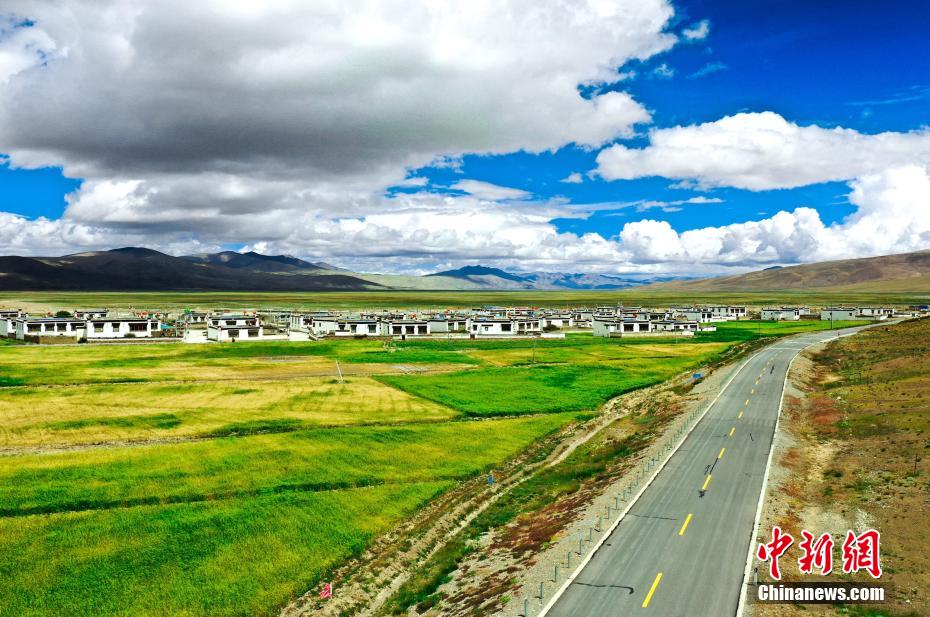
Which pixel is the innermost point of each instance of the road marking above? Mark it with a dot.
(747, 402)
(732, 430)
(652, 589)
(685, 526)
(753, 391)
(740, 415)
(720, 456)
(706, 482)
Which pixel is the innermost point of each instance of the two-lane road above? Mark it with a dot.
(682, 547)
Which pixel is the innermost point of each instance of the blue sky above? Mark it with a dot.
(176, 177)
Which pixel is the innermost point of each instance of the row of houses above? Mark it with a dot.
(489, 321)
(38, 328)
(873, 313)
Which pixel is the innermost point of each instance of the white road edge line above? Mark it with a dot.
(741, 605)
(584, 562)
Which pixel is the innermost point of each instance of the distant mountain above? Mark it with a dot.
(256, 262)
(906, 272)
(477, 273)
(141, 269)
(484, 277)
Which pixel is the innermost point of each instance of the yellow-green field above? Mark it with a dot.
(37, 300)
(227, 479)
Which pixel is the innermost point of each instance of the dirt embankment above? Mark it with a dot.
(850, 455)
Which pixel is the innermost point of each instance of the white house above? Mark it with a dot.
(839, 314)
(728, 311)
(675, 325)
(504, 327)
(875, 312)
(620, 327)
(7, 322)
(404, 327)
(702, 315)
(26, 327)
(557, 320)
(357, 327)
(234, 328)
(121, 327)
(195, 317)
(784, 313)
(443, 324)
(91, 313)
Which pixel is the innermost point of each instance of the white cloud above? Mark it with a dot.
(22, 47)
(235, 121)
(419, 230)
(663, 71)
(760, 151)
(708, 69)
(491, 192)
(414, 181)
(697, 31)
(892, 216)
(572, 178)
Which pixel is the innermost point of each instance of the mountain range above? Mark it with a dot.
(142, 269)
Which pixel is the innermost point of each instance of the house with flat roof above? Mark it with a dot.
(121, 327)
(513, 326)
(27, 328)
(617, 327)
(222, 328)
(404, 327)
(357, 327)
(91, 313)
(784, 313)
(444, 324)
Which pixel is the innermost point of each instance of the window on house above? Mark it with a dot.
(233, 334)
(506, 327)
(138, 326)
(253, 333)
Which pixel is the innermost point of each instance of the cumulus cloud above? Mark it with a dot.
(572, 178)
(235, 121)
(760, 151)
(892, 216)
(697, 31)
(663, 71)
(492, 192)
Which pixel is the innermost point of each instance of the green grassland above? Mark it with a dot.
(239, 556)
(444, 299)
(227, 479)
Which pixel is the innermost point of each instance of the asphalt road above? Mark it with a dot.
(678, 554)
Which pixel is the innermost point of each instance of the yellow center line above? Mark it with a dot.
(720, 456)
(732, 430)
(685, 526)
(747, 402)
(740, 415)
(652, 589)
(753, 391)
(706, 482)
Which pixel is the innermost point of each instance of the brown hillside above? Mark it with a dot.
(907, 272)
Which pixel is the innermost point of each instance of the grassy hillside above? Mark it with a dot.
(904, 273)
